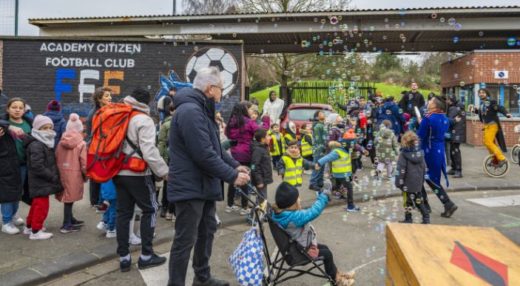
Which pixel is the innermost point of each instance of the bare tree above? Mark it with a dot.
(291, 5)
(208, 6)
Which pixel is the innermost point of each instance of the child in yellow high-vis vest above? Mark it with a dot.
(277, 144)
(292, 164)
(306, 141)
(340, 156)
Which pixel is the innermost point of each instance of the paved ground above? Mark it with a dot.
(357, 240)
(22, 260)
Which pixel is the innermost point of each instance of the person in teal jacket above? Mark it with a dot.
(296, 221)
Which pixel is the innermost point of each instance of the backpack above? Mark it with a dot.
(105, 156)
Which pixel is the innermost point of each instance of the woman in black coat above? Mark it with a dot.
(10, 178)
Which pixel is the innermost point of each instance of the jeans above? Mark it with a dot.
(10, 209)
(328, 260)
(110, 215)
(132, 190)
(317, 175)
(195, 227)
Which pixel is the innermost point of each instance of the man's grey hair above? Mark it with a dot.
(207, 77)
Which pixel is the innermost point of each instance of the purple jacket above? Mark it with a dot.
(244, 137)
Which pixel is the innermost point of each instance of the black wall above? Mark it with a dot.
(28, 69)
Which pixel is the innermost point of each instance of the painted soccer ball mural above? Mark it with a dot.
(216, 57)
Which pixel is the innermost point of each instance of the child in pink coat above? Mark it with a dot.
(71, 158)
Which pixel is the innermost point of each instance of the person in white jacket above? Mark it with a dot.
(273, 107)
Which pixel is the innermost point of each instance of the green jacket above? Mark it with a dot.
(319, 138)
(164, 131)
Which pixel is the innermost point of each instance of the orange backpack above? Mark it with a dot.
(105, 157)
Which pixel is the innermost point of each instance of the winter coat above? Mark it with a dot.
(10, 177)
(297, 222)
(261, 165)
(141, 132)
(411, 169)
(59, 124)
(244, 137)
(198, 164)
(390, 111)
(163, 138)
(71, 158)
(457, 129)
(319, 138)
(410, 100)
(387, 147)
(44, 178)
(88, 124)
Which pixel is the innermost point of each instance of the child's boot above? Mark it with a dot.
(425, 214)
(407, 218)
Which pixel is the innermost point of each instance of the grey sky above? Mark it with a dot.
(81, 8)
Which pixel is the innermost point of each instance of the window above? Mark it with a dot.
(305, 114)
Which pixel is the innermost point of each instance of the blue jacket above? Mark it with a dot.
(198, 164)
(431, 134)
(302, 217)
(59, 124)
(390, 111)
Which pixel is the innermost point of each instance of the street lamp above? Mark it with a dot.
(16, 18)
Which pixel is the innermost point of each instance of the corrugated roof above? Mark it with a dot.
(426, 9)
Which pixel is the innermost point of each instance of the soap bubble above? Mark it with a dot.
(452, 21)
(456, 39)
(434, 15)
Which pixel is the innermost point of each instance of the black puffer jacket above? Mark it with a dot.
(411, 168)
(261, 166)
(44, 179)
(457, 129)
(10, 180)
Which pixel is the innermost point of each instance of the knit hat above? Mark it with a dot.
(74, 123)
(286, 195)
(54, 105)
(41, 120)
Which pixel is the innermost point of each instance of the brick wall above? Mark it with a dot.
(478, 67)
(30, 72)
(474, 131)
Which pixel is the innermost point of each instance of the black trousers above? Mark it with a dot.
(94, 190)
(456, 156)
(347, 184)
(67, 214)
(276, 159)
(412, 201)
(132, 190)
(166, 205)
(231, 196)
(356, 165)
(447, 147)
(195, 227)
(328, 260)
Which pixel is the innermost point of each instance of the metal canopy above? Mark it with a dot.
(393, 30)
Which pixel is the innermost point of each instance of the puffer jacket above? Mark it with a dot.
(71, 158)
(141, 132)
(457, 129)
(387, 147)
(297, 222)
(10, 178)
(411, 169)
(59, 124)
(244, 137)
(44, 178)
(261, 166)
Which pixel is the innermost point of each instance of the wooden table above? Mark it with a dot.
(440, 255)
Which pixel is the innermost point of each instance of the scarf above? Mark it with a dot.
(46, 137)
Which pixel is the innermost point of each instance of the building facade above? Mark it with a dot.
(497, 71)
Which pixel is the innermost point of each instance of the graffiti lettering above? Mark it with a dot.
(88, 79)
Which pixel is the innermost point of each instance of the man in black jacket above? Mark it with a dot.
(198, 167)
(457, 117)
(412, 99)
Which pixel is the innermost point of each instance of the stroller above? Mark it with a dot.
(291, 260)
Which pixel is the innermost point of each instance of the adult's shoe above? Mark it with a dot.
(458, 174)
(451, 172)
(154, 261)
(9, 228)
(449, 209)
(210, 282)
(125, 265)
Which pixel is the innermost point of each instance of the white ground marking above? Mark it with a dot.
(159, 275)
(493, 202)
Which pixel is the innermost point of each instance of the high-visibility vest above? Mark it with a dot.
(293, 171)
(277, 150)
(342, 165)
(306, 147)
(289, 137)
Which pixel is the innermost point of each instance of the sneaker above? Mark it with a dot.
(27, 230)
(40, 235)
(111, 234)
(125, 265)
(352, 209)
(168, 216)
(154, 261)
(76, 222)
(210, 282)
(501, 163)
(101, 226)
(451, 172)
(245, 211)
(69, 228)
(9, 228)
(232, 209)
(134, 239)
(458, 174)
(18, 221)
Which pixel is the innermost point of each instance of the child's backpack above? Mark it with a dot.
(105, 157)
